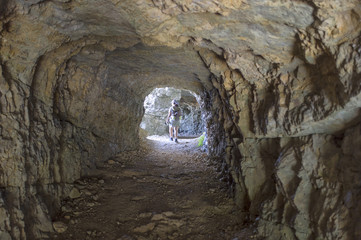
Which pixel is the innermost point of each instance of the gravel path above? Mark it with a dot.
(164, 190)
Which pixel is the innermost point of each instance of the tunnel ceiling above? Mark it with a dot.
(293, 54)
(239, 31)
(142, 68)
(264, 27)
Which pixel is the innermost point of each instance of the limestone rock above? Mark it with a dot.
(145, 228)
(138, 198)
(111, 162)
(5, 236)
(74, 193)
(158, 217)
(60, 227)
(145, 215)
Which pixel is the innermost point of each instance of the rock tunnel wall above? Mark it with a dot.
(281, 101)
(60, 135)
(290, 148)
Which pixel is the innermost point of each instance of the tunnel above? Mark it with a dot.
(278, 85)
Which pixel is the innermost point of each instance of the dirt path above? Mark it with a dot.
(162, 191)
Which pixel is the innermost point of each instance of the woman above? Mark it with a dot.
(173, 119)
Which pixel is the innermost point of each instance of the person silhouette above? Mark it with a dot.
(173, 119)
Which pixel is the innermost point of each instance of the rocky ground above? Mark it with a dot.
(164, 190)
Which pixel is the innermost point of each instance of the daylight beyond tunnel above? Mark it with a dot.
(157, 105)
(278, 85)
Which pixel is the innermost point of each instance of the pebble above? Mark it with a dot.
(87, 192)
(145, 228)
(158, 217)
(80, 187)
(138, 198)
(81, 182)
(144, 215)
(125, 237)
(168, 214)
(111, 162)
(74, 193)
(60, 227)
(77, 213)
(65, 209)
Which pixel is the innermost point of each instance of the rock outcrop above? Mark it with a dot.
(279, 86)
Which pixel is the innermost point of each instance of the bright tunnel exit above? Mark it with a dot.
(157, 104)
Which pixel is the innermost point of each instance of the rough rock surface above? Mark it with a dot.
(279, 86)
(157, 105)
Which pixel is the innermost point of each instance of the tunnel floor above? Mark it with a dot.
(163, 190)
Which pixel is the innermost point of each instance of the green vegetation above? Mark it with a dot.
(201, 140)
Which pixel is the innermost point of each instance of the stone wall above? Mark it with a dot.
(289, 138)
(157, 104)
(66, 128)
(311, 180)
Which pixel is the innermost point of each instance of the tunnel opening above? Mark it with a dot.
(100, 108)
(90, 105)
(157, 105)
